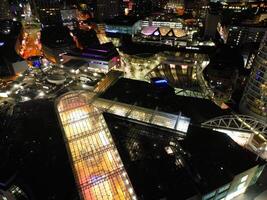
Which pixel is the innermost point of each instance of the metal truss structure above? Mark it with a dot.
(190, 93)
(243, 123)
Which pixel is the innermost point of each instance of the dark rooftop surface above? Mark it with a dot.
(153, 173)
(104, 51)
(215, 158)
(75, 64)
(86, 38)
(123, 20)
(56, 37)
(146, 95)
(33, 150)
(199, 164)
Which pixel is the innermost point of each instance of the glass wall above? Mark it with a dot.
(97, 167)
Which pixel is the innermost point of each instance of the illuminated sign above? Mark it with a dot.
(161, 81)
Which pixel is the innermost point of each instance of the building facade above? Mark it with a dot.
(239, 35)
(102, 58)
(107, 9)
(254, 100)
(5, 12)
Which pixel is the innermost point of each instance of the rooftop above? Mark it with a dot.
(154, 173)
(138, 148)
(210, 152)
(103, 52)
(146, 95)
(123, 20)
(33, 154)
(75, 64)
(162, 165)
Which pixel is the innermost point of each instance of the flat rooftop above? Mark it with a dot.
(120, 157)
(146, 95)
(103, 52)
(33, 154)
(210, 152)
(154, 173)
(123, 21)
(75, 64)
(162, 165)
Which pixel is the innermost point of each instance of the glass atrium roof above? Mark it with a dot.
(167, 120)
(97, 166)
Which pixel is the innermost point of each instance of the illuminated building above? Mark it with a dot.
(13, 193)
(163, 20)
(240, 35)
(107, 9)
(56, 16)
(179, 70)
(69, 17)
(101, 58)
(5, 12)
(212, 19)
(50, 16)
(254, 100)
(56, 44)
(114, 148)
(28, 43)
(122, 25)
(176, 6)
(96, 163)
(168, 29)
(163, 32)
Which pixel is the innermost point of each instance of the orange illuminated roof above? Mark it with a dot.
(97, 166)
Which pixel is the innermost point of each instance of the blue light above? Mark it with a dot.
(37, 63)
(161, 81)
(112, 31)
(2, 44)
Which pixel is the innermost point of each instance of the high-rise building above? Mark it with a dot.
(239, 35)
(5, 12)
(212, 20)
(254, 100)
(107, 9)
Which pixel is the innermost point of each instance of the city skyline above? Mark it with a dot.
(133, 99)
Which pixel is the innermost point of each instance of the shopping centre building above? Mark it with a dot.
(117, 148)
(254, 100)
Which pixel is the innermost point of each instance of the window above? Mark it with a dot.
(209, 196)
(221, 195)
(222, 189)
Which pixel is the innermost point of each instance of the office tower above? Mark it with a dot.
(5, 12)
(254, 100)
(107, 9)
(142, 7)
(212, 20)
(240, 35)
